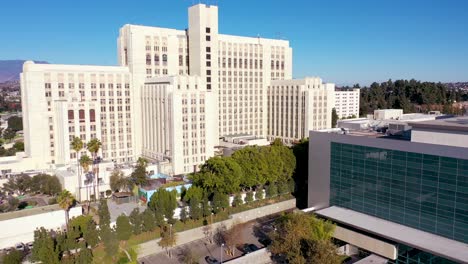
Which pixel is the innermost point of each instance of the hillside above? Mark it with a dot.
(10, 69)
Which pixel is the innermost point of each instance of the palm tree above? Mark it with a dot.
(85, 162)
(93, 146)
(77, 146)
(65, 201)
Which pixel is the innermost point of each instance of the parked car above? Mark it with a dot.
(265, 241)
(249, 248)
(211, 260)
(20, 247)
(267, 228)
(30, 245)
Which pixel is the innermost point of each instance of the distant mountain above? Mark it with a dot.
(10, 69)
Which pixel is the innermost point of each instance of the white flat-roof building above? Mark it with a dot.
(295, 107)
(347, 102)
(64, 101)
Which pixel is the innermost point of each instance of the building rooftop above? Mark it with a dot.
(434, 244)
(28, 212)
(450, 124)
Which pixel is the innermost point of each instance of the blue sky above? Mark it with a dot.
(342, 41)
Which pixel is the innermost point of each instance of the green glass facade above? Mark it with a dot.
(426, 192)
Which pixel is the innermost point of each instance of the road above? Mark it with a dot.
(202, 248)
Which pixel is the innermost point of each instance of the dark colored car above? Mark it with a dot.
(211, 260)
(248, 248)
(265, 241)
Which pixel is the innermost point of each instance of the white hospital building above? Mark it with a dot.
(347, 102)
(174, 95)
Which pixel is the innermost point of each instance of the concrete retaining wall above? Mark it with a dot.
(152, 247)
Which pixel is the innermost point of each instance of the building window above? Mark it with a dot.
(208, 49)
(148, 59)
(71, 116)
(208, 30)
(164, 57)
(82, 116)
(208, 38)
(92, 115)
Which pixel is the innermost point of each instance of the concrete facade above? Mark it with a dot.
(347, 102)
(295, 107)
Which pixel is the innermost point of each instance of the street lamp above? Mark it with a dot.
(222, 245)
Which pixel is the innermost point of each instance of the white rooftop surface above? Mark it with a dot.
(437, 245)
(372, 259)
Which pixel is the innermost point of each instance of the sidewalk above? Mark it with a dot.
(152, 247)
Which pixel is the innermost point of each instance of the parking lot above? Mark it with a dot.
(251, 234)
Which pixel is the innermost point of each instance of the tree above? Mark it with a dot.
(206, 208)
(14, 257)
(192, 192)
(187, 256)
(208, 232)
(119, 182)
(46, 184)
(254, 165)
(19, 184)
(220, 202)
(90, 234)
(335, 117)
(283, 188)
(139, 176)
(103, 213)
(85, 256)
(15, 123)
(111, 243)
(77, 145)
(183, 214)
(168, 238)
(9, 134)
(259, 193)
(94, 145)
(220, 174)
(123, 228)
(249, 197)
(165, 202)
(85, 163)
(136, 221)
(271, 190)
(195, 209)
(233, 236)
(302, 238)
(237, 200)
(148, 221)
(65, 200)
(19, 146)
(44, 247)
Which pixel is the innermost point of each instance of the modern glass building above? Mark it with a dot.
(420, 187)
(427, 192)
